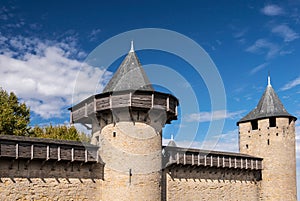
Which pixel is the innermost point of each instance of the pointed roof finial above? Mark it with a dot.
(269, 79)
(172, 137)
(131, 48)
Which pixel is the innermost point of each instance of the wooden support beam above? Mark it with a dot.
(184, 158)
(235, 163)
(168, 104)
(192, 159)
(48, 153)
(110, 102)
(72, 154)
(246, 163)
(58, 153)
(130, 97)
(211, 161)
(177, 157)
(152, 101)
(199, 159)
(17, 151)
(229, 162)
(241, 163)
(205, 162)
(86, 155)
(218, 159)
(31, 150)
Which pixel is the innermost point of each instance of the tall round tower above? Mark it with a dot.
(127, 121)
(268, 131)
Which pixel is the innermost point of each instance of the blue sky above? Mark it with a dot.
(43, 44)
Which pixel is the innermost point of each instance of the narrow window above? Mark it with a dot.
(247, 146)
(254, 124)
(272, 121)
(114, 134)
(268, 141)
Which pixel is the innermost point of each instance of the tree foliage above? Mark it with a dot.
(14, 116)
(61, 132)
(15, 120)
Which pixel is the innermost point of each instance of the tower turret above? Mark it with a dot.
(268, 131)
(127, 121)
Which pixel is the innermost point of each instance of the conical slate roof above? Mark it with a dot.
(172, 142)
(268, 106)
(129, 76)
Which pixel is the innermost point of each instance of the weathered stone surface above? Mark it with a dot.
(20, 180)
(132, 156)
(276, 145)
(211, 184)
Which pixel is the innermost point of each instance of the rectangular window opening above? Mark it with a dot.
(272, 121)
(254, 124)
(114, 134)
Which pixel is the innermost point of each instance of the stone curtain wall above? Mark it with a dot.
(35, 180)
(213, 184)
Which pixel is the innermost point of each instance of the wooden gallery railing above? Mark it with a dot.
(197, 157)
(16, 147)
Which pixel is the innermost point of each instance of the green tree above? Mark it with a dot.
(61, 132)
(15, 119)
(14, 116)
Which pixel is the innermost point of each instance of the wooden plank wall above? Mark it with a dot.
(44, 151)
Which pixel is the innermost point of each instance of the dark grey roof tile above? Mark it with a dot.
(268, 106)
(129, 76)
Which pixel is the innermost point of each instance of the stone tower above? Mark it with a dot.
(127, 121)
(268, 131)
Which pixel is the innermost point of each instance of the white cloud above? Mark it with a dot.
(93, 35)
(6, 13)
(264, 46)
(272, 10)
(291, 84)
(210, 116)
(225, 142)
(258, 68)
(43, 73)
(285, 32)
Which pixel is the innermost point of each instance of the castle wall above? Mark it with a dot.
(35, 180)
(276, 145)
(212, 184)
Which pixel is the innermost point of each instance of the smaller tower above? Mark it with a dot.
(268, 131)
